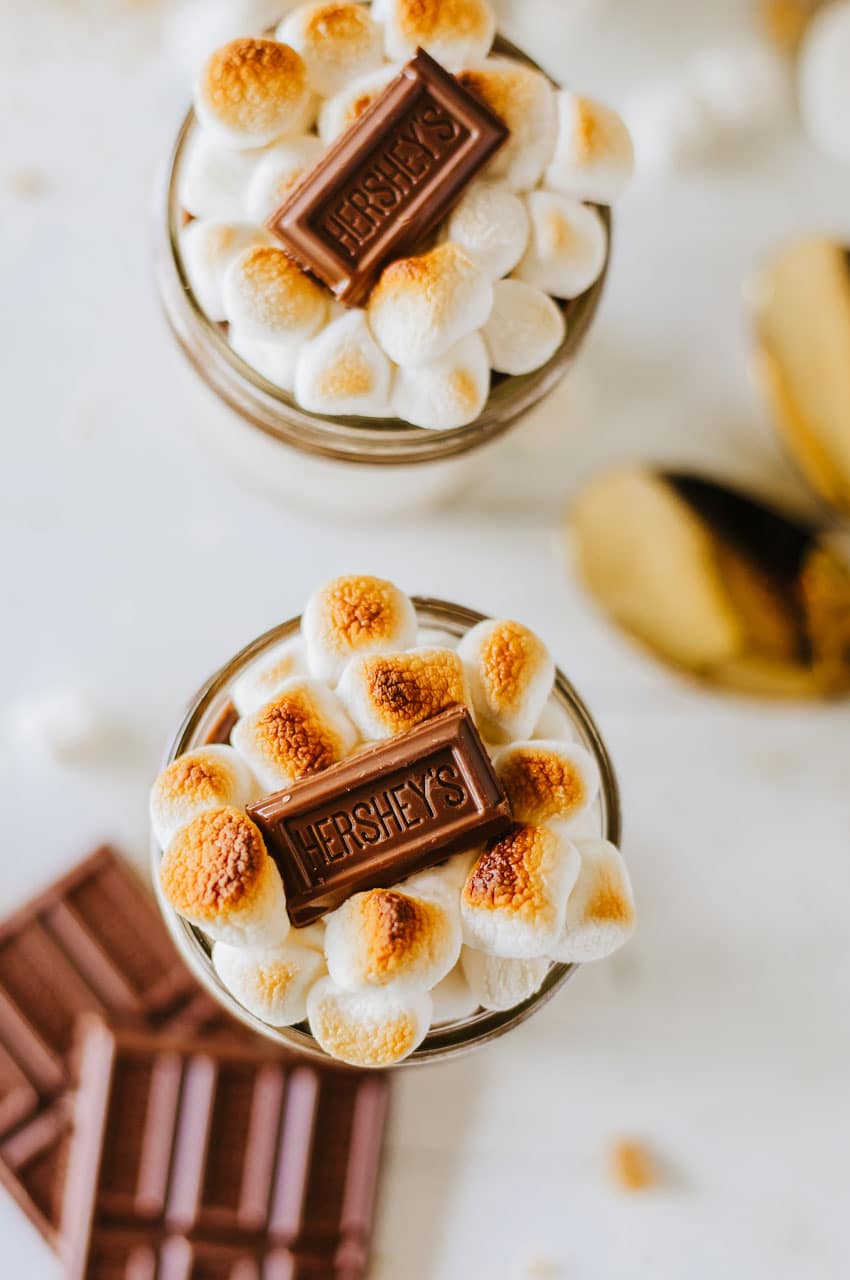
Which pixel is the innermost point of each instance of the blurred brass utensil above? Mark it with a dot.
(785, 21)
(800, 307)
(716, 583)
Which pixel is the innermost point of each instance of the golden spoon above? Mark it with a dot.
(799, 303)
(716, 582)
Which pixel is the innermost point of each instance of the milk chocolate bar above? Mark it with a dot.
(389, 811)
(219, 1160)
(91, 943)
(389, 180)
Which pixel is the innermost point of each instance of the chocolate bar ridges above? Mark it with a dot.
(92, 943)
(387, 812)
(388, 181)
(216, 1160)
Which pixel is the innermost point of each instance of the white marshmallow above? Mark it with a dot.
(343, 370)
(670, 126)
(525, 329)
(449, 392)
(568, 246)
(63, 724)
(601, 907)
(272, 984)
(217, 875)
(454, 1000)
(445, 880)
(208, 249)
(548, 780)
(355, 615)
(338, 42)
(214, 178)
(436, 638)
(266, 296)
(511, 674)
(195, 28)
(498, 983)
(390, 938)
(209, 778)
(346, 107)
(302, 730)
(252, 91)
(554, 723)
(824, 80)
(422, 306)
(525, 100)
(266, 677)
(514, 902)
(368, 1028)
(491, 224)
(275, 361)
(389, 693)
(594, 158)
(454, 32)
(278, 172)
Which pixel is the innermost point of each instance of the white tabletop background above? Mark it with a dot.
(133, 565)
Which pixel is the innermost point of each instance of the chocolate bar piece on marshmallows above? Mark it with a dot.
(395, 836)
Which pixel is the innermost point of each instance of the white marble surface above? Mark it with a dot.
(133, 566)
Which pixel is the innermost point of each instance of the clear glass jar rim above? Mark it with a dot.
(350, 439)
(440, 1043)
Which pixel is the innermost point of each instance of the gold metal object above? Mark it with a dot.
(716, 583)
(800, 307)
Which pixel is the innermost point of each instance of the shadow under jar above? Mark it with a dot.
(210, 718)
(346, 466)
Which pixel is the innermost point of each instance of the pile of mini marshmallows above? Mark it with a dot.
(476, 932)
(481, 297)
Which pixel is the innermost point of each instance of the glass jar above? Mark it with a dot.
(343, 466)
(210, 717)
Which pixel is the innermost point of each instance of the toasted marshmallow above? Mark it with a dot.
(301, 731)
(278, 173)
(355, 615)
(445, 880)
(272, 983)
(554, 723)
(594, 158)
(454, 998)
(498, 983)
(386, 938)
(525, 329)
(452, 31)
(210, 778)
(346, 107)
(337, 41)
(511, 674)
(447, 393)
(252, 91)
(824, 83)
(275, 361)
(548, 780)
(375, 1028)
(266, 296)
(525, 101)
(196, 28)
(422, 306)
(601, 908)
(491, 224)
(216, 874)
(214, 178)
(343, 370)
(207, 250)
(266, 678)
(389, 693)
(514, 902)
(568, 246)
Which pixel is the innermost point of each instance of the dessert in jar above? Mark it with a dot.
(386, 235)
(388, 831)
